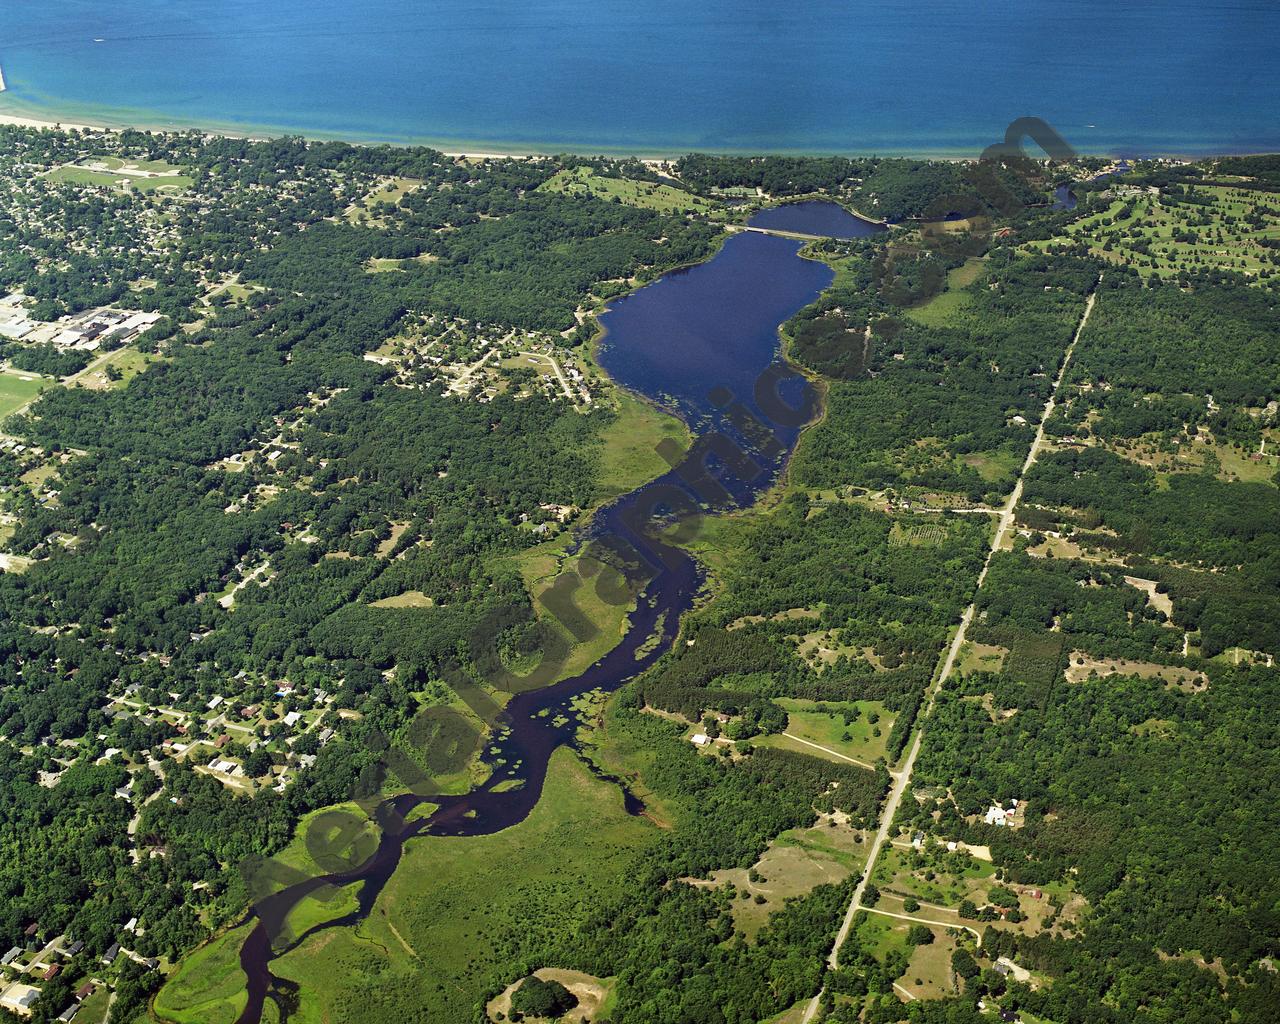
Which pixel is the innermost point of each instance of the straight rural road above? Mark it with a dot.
(903, 778)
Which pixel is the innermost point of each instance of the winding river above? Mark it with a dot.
(701, 342)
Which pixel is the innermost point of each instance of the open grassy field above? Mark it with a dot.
(17, 389)
(584, 181)
(432, 943)
(209, 986)
(628, 456)
(947, 305)
(928, 974)
(976, 657)
(168, 182)
(108, 179)
(544, 569)
(297, 856)
(128, 362)
(824, 724)
(409, 599)
(795, 863)
(1220, 228)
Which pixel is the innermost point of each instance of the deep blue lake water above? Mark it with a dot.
(811, 217)
(889, 76)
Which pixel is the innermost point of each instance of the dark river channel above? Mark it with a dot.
(701, 342)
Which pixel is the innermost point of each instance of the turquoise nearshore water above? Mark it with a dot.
(939, 77)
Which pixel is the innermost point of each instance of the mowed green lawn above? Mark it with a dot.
(435, 937)
(823, 724)
(17, 389)
(107, 179)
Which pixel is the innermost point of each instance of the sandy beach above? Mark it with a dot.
(23, 121)
(32, 122)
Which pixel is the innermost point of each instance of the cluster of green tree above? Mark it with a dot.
(1265, 167)
(45, 359)
(528, 266)
(940, 394)
(894, 189)
(1156, 805)
(1023, 600)
(538, 998)
(1163, 359)
(1192, 518)
(776, 175)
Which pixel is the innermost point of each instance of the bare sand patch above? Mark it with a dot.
(1080, 666)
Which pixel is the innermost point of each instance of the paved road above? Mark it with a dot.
(903, 778)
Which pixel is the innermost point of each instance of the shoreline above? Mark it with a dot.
(25, 116)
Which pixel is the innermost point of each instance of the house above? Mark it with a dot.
(51, 972)
(917, 841)
(109, 957)
(1002, 970)
(699, 739)
(19, 998)
(996, 816)
(11, 956)
(74, 948)
(31, 929)
(292, 719)
(69, 1014)
(131, 925)
(85, 990)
